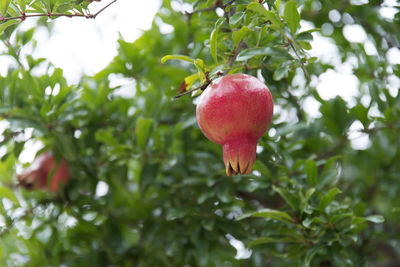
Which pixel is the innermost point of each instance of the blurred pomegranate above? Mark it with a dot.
(235, 111)
(43, 168)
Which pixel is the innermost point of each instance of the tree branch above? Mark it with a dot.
(202, 87)
(298, 56)
(235, 53)
(23, 15)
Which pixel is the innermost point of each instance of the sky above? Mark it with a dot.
(80, 45)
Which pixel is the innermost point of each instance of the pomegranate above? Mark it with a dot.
(235, 111)
(43, 168)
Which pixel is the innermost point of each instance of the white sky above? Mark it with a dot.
(79, 45)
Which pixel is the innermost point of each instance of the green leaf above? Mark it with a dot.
(22, 5)
(267, 213)
(190, 80)
(177, 57)
(310, 254)
(7, 169)
(339, 217)
(258, 8)
(262, 168)
(290, 199)
(3, 7)
(237, 36)
(311, 172)
(246, 54)
(328, 173)
(6, 24)
(105, 136)
(304, 36)
(305, 45)
(309, 221)
(65, 143)
(292, 16)
(143, 127)
(50, 4)
(282, 71)
(309, 193)
(235, 19)
(268, 15)
(375, 218)
(199, 64)
(214, 39)
(328, 198)
(213, 44)
(7, 193)
(265, 240)
(361, 113)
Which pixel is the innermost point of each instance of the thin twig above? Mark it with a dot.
(101, 10)
(202, 87)
(298, 56)
(235, 53)
(88, 16)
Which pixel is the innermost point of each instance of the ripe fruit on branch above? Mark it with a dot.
(43, 169)
(235, 111)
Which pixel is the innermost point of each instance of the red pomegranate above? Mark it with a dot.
(43, 168)
(235, 111)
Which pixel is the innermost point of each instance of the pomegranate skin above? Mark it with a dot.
(45, 167)
(235, 111)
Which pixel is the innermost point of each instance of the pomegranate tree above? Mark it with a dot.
(235, 111)
(42, 169)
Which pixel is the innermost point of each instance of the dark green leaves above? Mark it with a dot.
(249, 53)
(3, 7)
(237, 36)
(143, 127)
(214, 39)
(269, 214)
(288, 196)
(6, 24)
(375, 219)
(311, 171)
(282, 71)
(328, 197)
(292, 16)
(267, 15)
(266, 240)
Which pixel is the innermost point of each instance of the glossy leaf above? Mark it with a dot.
(143, 127)
(177, 57)
(292, 16)
(249, 53)
(267, 213)
(327, 198)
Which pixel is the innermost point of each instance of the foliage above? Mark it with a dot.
(149, 189)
